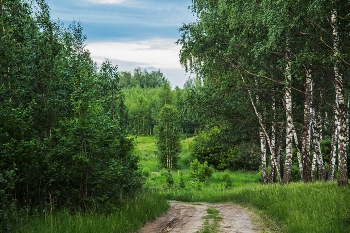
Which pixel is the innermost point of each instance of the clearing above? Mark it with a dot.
(190, 218)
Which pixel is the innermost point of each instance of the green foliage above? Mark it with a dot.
(227, 178)
(63, 121)
(244, 156)
(144, 105)
(214, 147)
(143, 79)
(168, 137)
(182, 184)
(129, 217)
(169, 179)
(295, 173)
(235, 46)
(201, 172)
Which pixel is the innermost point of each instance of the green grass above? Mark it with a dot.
(297, 207)
(129, 218)
(146, 149)
(212, 220)
(239, 178)
(293, 208)
(145, 145)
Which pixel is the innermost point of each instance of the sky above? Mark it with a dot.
(131, 33)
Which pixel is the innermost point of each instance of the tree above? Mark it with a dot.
(168, 136)
(63, 122)
(275, 47)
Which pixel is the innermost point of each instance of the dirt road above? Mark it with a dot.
(189, 218)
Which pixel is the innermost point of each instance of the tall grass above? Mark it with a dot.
(297, 207)
(129, 218)
(146, 148)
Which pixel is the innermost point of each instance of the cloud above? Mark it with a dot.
(159, 53)
(107, 1)
(152, 54)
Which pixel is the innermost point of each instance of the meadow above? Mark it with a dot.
(296, 207)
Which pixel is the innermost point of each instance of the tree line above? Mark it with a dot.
(63, 137)
(144, 105)
(196, 111)
(288, 61)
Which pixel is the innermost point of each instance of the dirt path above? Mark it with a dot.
(189, 218)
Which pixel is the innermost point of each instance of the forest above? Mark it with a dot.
(264, 115)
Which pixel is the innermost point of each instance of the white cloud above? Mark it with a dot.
(157, 53)
(107, 1)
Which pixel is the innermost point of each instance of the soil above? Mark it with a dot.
(189, 218)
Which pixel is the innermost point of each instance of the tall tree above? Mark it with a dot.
(168, 136)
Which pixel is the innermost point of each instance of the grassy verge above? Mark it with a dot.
(128, 218)
(297, 207)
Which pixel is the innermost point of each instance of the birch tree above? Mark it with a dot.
(280, 44)
(168, 137)
(340, 102)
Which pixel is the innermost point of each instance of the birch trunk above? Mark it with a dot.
(340, 103)
(261, 123)
(317, 146)
(262, 149)
(306, 135)
(333, 146)
(279, 154)
(313, 165)
(273, 166)
(300, 160)
(263, 157)
(289, 124)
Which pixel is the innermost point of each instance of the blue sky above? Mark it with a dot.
(131, 33)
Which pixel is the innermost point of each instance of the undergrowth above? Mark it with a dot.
(129, 218)
(297, 207)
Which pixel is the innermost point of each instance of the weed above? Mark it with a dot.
(211, 224)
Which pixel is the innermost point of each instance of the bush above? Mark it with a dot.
(215, 147)
(182, 182)
(169, 179)
(201, 172)
(227, 179)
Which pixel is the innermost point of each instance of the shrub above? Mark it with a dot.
(201, 172)
(169, 179)
(215, 147)
(227, 179)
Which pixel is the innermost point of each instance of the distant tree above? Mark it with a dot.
(168, 136)
(143, 79)
(166, 95)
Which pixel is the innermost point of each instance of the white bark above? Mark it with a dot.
(274, 165)
(333, 147)
(263, 157)
(317, 146)
(289, 124)
(261, 123)
(263, 150)
(338, 84)
(313, 165)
